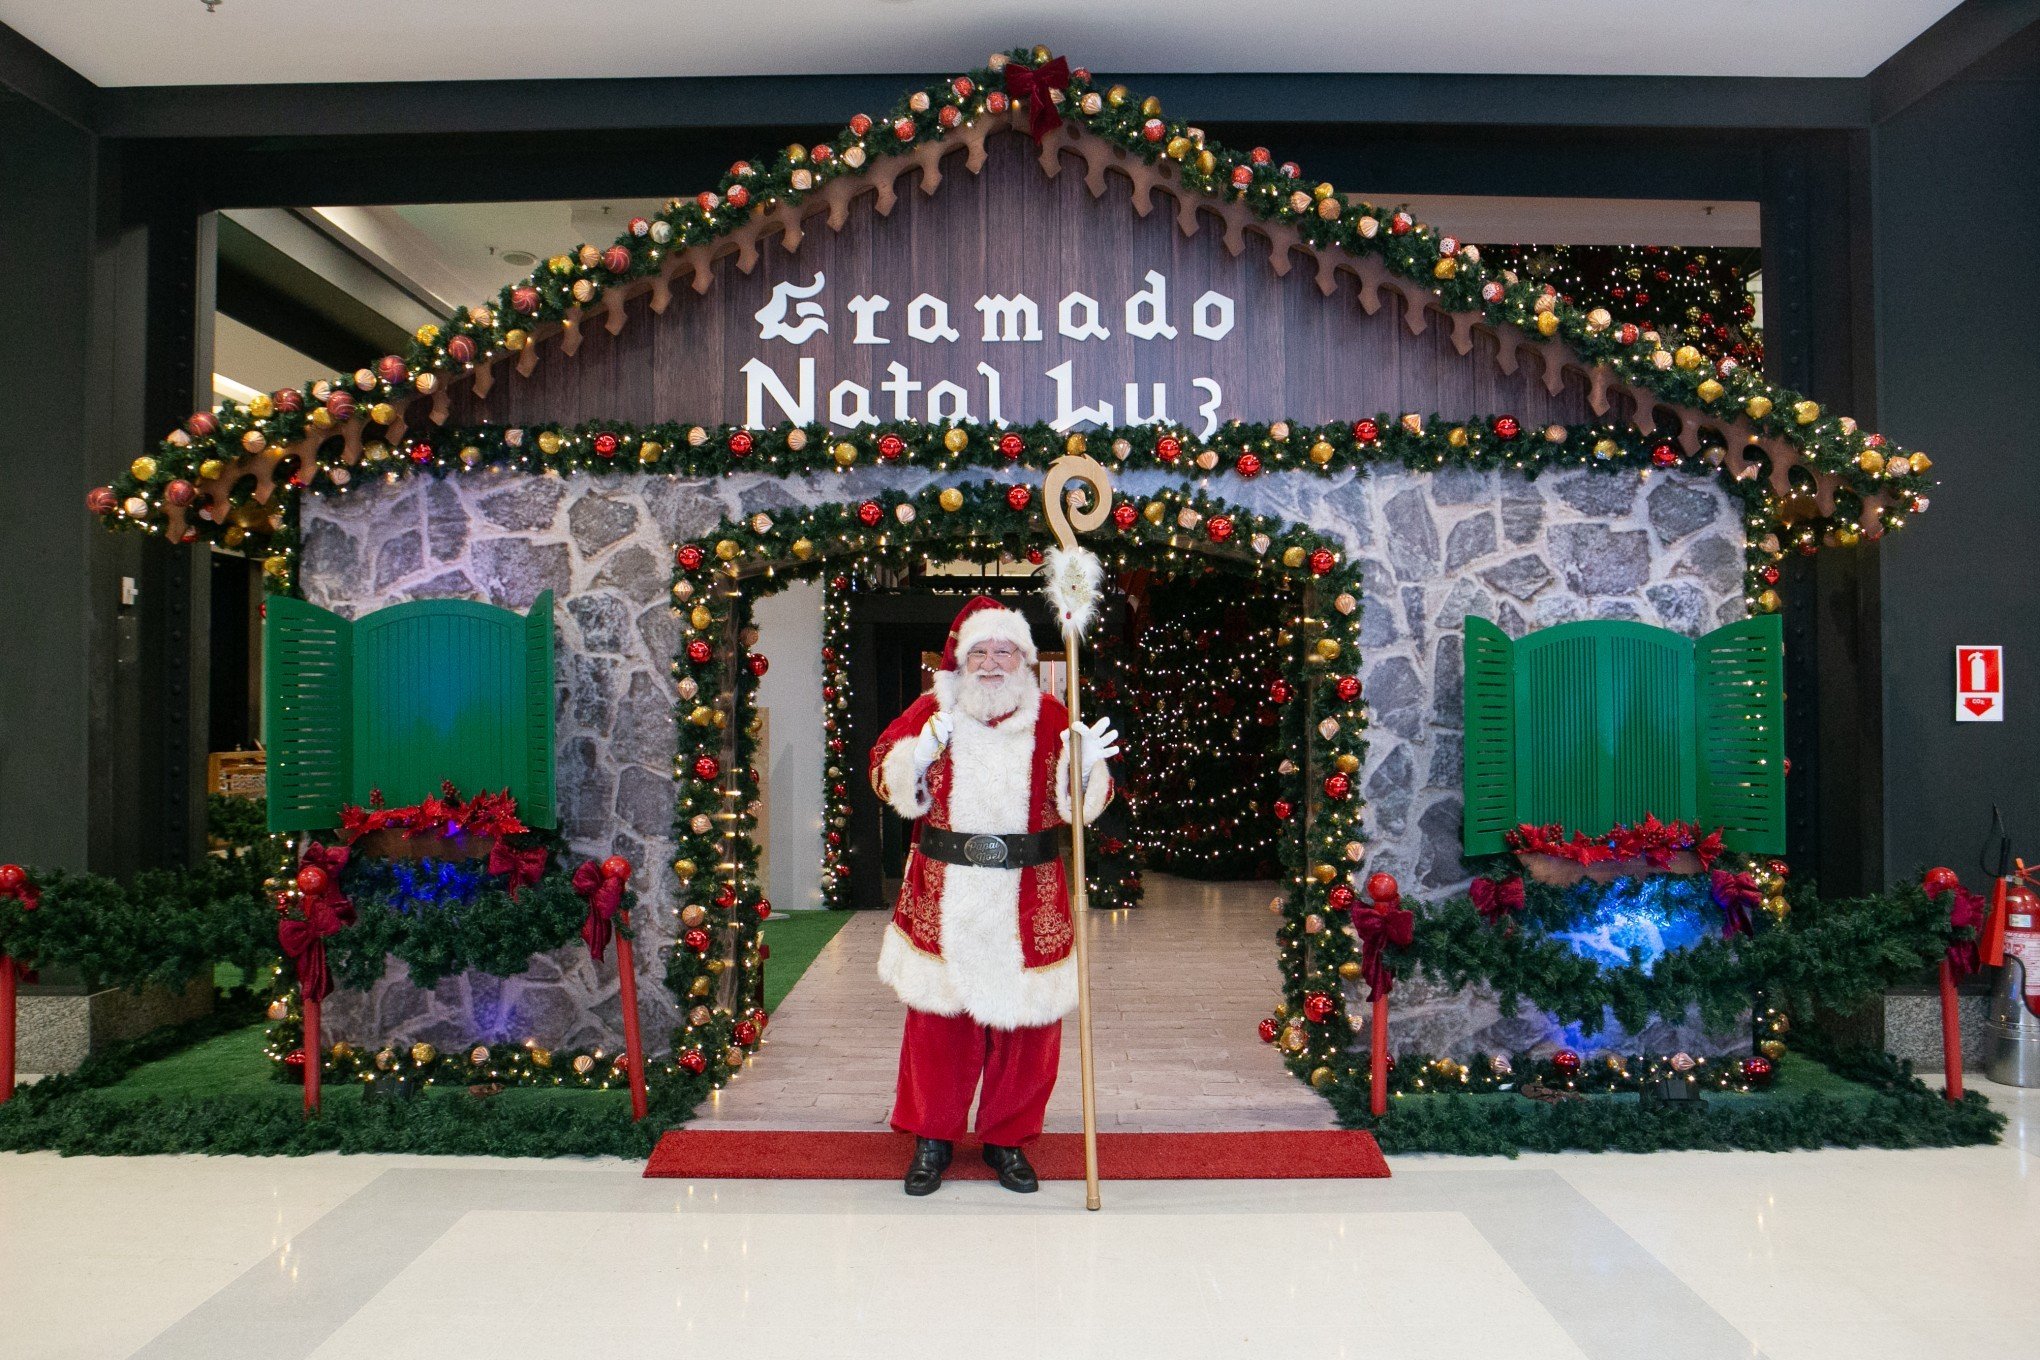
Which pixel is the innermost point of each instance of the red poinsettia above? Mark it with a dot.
(493, 815)
(1650, 840)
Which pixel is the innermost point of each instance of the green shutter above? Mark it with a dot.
(1739, 679)
(307, 713)
(1489, 765)
(1562, 772)
(1647, 723)
(536, 804)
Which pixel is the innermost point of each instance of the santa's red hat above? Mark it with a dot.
(984, 619)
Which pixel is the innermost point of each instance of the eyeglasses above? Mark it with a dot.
(1004, 654)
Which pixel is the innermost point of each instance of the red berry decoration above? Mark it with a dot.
(1249, 465)
(1337, 786)
(616, 866)
(696, 939)
(1219, 528)
(605, 445)
(524, 298)
(891, 446)
(1124, 516)
(1507, 427)
(313, 880)
(460, 349)
(747, 1033)
(690, 557)
(1282, 808)
(1322, 561)
(1168, 448)
(391, 369)
(870, 513)
(1347, 688)
(1383, 888)
(1268, 1029)
(616, 259)
(1366, 431)
(1012, 445)
(1018, 497)
(706, 767)
(1316, 1007)
(758, 663)
(1756, 1069)
(699, 652)
(1937, 882)
(1566, 1061)
(693, 1061)
(1281, 691)
(740, 443)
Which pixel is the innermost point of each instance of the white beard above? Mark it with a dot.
(989, 703)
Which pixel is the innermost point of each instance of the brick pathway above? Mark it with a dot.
(1177, 987)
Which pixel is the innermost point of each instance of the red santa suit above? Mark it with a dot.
(981, 956)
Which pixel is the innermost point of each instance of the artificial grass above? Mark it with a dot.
(796, 937)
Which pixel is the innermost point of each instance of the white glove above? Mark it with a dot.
(1097, 742)
(934, 736)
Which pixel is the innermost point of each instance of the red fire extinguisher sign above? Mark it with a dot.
(1979, 684)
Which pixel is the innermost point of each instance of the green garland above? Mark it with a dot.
(162, 927)
(489, 932)
(566, 285)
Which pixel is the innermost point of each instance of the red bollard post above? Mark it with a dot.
(1951, 1031)
(6, 1029)
(633, 1045)
(314, 1056)
(1378, 1044)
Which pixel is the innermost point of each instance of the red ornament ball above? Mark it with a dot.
(201, 424)
(1939, 881)
(1566, 1061)
(1347, 688)
(1337, 787)
(693, 1062)
(696, 939)
(1282, 808)
(1281, 691)
(100, 500)
(859, 124)
(904, 129)
(1664, 455)
(699, 652)
(1249, 465)
(706, 767)
(690, 557)
(340, 406)
(726, 897)
(1507, 427)
(391, 369)
(764, 909)
(1019, 497)
(1316, 1007)
(524, 298)
(616, 259)
(949, 115)
(313, 880)
(891, 446)
(1260, 155)
(1268, 1029)
(1383, 888)
(13, 878)
(740, 443)
(1124, 515)
(707, 200)
(180, 492)
(288, 399)
(1341, 897)
(739, 196)
(997, 102)
(460, 349)
(1036, 556)
(605, 445)
(1756, 1069)
(616, 866)
(1366, 431)
(1322, 561)
(1242, 176)
(1012, 445)
(870, 513)
(747, 1033)
(1168, 448)
(1154, 129)
(1219, 528)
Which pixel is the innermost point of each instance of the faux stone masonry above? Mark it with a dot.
(1434, 548)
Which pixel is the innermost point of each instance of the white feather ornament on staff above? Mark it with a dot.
(1072, 587)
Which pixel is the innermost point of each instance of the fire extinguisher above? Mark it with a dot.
(1992, 946)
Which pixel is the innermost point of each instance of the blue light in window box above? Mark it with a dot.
(1643, 918)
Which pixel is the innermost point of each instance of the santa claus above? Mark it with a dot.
(979, 945)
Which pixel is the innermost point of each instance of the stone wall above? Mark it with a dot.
(1434, 547)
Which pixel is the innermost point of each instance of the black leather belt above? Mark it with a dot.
(1022, 851)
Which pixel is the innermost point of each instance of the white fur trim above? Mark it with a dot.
(1097, 788)
(905, 790)
(988, 625)
(1075, 581)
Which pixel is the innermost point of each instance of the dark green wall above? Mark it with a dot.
(1957, 226)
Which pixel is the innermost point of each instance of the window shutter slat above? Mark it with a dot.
(1489, 766)
(1739, 720)
(307, 713)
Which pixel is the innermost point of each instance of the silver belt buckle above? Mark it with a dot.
(987, 852)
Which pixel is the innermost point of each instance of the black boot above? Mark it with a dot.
(931, 1159)
(1011, 1164)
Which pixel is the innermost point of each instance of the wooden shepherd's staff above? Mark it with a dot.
(1074, 578)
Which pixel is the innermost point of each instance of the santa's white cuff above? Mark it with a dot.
(1097, 789)
(902, 782)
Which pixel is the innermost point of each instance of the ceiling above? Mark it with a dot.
(178, 42)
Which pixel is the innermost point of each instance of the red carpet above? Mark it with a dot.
(710, 1154)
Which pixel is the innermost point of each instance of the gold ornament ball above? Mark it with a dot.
(1773, 1049)
(716, 966)
(733, 1056)
(1349, 970)
(955, 440)
(1768, 602)
(1778, 907)
(261, 406)
(279, 1009)
(1871, 461)
(1293, 1039)
(1154, 512)
(548, 442)
(951, 499)
(1758, 407)
(1806, 412)
(541, 1057)
(693, 914)
(1294, 557)
(727, 549)
(1348, 763)
(702, 716)
(1685, 356)
(1321, 452)
(1281, 1010)
(698, 987)
(278, 566)
(423, 1053)
(701, 616)
(210, 469)
(845, 454)
(1321, 1077)
(1274, 906)
(143, 468)
(1710, 390)
(1547, 324)
(803, 549)
(1325, 649)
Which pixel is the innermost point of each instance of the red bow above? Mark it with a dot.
(304, 940)
(1495, 898)
(1966, 914)
(604, 896)
(25, 893)
(525, 867)
(1381, 925)
(1036, 85)
(331, 858)
(1735, 894)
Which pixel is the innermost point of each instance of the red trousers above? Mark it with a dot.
(941, 1059)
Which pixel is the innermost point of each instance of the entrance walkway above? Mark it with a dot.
(1177, 987)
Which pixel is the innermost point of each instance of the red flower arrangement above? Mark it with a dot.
(1650, 840)
(493, 815)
